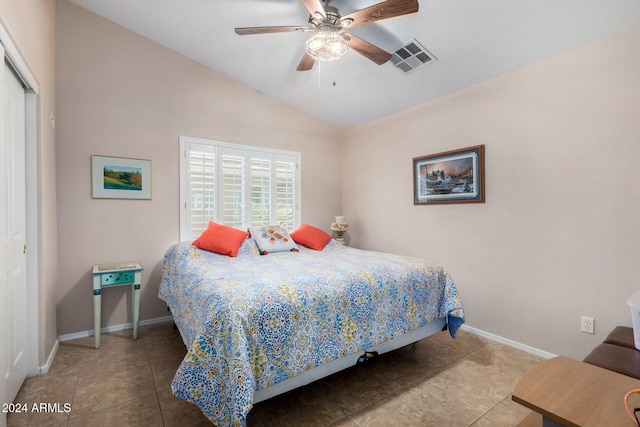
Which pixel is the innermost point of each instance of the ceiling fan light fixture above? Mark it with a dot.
(327, 44)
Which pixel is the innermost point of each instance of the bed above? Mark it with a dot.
(256, 326)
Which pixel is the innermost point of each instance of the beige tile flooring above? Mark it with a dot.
(435, 382)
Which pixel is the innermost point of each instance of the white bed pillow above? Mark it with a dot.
(273, 238)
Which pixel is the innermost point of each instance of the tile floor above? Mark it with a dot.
(435, 382)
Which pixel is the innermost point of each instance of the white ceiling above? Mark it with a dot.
(473, 40)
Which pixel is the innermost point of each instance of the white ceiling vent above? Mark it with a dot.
(411, 56)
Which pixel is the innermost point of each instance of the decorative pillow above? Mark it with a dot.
(311, 237)
(221, 239)
(273, 238)
(248, 247)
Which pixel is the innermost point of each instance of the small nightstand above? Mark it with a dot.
(108, 275)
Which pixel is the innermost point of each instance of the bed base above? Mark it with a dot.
(337, 365)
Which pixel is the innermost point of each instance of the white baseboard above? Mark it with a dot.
(510, 343)
(45, 368)
(52, 354)
(114, 328)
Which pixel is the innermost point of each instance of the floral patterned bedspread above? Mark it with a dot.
(253, 321)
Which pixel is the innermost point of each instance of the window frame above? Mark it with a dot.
(274, 155)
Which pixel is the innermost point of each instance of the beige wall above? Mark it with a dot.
(31, 25)
(559, 234)
(123, 95)
(556, 239)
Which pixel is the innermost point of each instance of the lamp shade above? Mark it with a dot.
(339, 224)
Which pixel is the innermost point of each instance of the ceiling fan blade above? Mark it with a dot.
(314, 6)
(368, 50)
(245, 31)
(306, 63)
(377, 12)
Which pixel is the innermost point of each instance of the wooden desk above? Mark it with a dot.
(571, 393)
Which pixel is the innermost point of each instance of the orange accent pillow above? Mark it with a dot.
(311, 237)
(221, 239)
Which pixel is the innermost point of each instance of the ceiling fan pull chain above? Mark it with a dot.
(331, 75)
(333, 68)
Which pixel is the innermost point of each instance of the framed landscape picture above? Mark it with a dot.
(120, 178)
(451, 177)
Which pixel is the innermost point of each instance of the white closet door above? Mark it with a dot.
(13, 274)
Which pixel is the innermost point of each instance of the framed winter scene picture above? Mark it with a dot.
(455, 176)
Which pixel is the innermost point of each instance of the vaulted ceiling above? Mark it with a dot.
(472, 40)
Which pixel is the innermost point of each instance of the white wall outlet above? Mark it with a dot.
(52, 121)
(587, 324)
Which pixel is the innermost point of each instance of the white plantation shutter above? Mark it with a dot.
(232, 191)
(285, 195)
(202, 181)
(260, 191)
(237, 185)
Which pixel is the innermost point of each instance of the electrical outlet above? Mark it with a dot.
(587, 324)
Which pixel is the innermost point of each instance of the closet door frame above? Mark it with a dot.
(35, 340)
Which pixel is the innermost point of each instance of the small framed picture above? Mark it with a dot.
(451, 177)
(120, 178)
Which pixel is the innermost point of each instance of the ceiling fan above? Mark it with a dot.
(330, 40)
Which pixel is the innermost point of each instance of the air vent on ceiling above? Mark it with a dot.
(411, 56)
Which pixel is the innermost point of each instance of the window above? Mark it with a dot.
(236, 185)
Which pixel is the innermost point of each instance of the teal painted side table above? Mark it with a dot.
(109, 275)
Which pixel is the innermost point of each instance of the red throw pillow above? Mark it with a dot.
(310, 237)
(221, 239)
